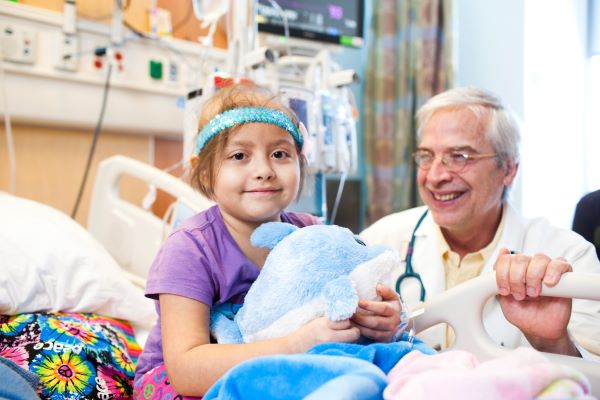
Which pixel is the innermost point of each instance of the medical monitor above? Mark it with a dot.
(337, 21)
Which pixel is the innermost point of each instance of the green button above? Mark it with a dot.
(346, 40)
(156, 69)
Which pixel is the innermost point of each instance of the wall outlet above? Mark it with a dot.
(67, 52)
(173, 71)
(18, 44)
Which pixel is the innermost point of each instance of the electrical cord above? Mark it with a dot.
(94, 141)
(286, 33)
(10, 144)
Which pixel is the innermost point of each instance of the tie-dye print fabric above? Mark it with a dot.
(155, 384)
(76, 355)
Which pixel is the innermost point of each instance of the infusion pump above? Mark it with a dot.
(328, 116)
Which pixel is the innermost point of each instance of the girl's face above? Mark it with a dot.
(259, 174)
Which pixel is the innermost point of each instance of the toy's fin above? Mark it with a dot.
(223, 329)
(341, 298)
(270, 233)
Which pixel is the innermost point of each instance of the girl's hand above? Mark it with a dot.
(322, 330)
(379, 320)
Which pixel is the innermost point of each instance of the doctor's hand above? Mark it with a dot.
(543, 320)
(379, 320)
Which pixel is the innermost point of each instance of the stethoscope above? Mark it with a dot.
(408, 270)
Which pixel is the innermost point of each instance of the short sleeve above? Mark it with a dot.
(300, 219)
(182, 267)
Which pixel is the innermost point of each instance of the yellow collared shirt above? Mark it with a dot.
(458, 271)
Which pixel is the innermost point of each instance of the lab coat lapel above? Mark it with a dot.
(426, 259)
(428, 263)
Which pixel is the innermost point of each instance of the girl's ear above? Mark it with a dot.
(205, 182)
(200, 179)
(194, 161)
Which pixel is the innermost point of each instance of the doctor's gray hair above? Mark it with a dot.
(503, 129)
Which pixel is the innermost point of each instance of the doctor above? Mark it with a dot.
(467, 159)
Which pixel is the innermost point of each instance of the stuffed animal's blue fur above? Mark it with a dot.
(310, 272)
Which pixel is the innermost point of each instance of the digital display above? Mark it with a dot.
(299, 107)
(339, 22)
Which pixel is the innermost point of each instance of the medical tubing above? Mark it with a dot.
(338, 197)
(286, 32)
(94, 141)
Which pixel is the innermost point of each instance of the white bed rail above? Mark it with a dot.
(130, 233)
(470, 298)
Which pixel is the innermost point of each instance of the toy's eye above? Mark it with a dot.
(359, 241)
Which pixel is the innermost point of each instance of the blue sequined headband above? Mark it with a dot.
(241, 115)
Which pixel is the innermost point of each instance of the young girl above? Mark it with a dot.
(249, 162)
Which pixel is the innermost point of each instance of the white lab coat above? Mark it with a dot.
(528, 236)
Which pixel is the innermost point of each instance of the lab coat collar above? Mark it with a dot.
(427, 252)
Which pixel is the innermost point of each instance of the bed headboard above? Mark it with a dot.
(462, 308)
(130, 233)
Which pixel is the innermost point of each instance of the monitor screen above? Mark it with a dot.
(337, 21)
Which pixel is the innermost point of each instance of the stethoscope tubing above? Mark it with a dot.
(408, 269)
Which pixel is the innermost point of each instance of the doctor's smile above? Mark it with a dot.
(447, 196)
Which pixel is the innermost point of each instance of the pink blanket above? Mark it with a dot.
(521, 374)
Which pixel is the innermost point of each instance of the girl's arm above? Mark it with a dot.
(194, 364)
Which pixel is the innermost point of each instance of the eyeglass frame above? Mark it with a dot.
(444, 158)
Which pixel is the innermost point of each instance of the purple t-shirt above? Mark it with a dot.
(201, 260)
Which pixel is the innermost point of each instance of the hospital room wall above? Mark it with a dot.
(533, 54)
(51, 158)
(489, 54)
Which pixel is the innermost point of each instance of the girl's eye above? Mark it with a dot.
(280, 154)
(359, 241)
(238, 156)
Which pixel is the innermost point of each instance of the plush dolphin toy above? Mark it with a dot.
(318, 270)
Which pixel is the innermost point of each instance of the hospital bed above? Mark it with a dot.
(132, 235)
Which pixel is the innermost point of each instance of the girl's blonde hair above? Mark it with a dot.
(205, 166)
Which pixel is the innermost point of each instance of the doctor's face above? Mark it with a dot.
(468, 199)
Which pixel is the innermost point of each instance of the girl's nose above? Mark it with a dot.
(263, 169)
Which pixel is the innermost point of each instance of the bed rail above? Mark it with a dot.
(470, 298)
(129, 232)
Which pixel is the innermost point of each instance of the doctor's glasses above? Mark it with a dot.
(454, 161)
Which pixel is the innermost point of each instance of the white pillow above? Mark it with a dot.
(48, 262)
